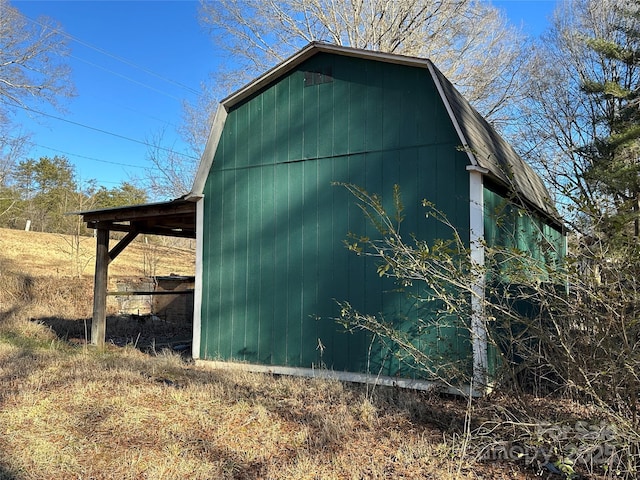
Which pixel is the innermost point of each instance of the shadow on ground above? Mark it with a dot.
(7, 474)
(148, 333)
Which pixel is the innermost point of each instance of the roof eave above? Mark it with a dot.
(206, 159)
(452, 116)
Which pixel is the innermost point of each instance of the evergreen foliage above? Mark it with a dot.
(43, 192)
(613, 171)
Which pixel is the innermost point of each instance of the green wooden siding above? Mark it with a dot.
(274, 262)
(507, 225)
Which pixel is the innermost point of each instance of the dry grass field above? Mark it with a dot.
(68, 411)
(48, 254)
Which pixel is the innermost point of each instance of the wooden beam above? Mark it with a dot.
(99, 319)
(140, 212)
(185, 231)
(122, 244)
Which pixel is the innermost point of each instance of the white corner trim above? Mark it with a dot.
(479, 335)
(206, 160)
(477, 168)
(324, 373)
(197, 294)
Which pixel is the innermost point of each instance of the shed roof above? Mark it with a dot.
(176, 218)
(485, 147)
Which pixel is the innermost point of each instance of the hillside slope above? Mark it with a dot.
(71, 411)
(48, 254)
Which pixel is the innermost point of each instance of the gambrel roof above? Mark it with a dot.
(490, 151)
(486, 149)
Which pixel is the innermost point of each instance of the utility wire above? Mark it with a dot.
(115, 57)
(115, 103)
(91, 158)
(122, 60)
(106, 132)
(132, 80)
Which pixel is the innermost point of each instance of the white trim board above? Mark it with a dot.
(408, 383)
(479, 335)
(197, 294)
(452, 117)
(206, 160)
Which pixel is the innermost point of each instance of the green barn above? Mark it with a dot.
(271, 260)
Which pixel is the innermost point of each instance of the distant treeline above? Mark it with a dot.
(42, 193)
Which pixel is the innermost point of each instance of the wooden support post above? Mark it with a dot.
(101, 279)
(479, 334)
(99, 320)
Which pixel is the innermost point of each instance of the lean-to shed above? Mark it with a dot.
(271, 262)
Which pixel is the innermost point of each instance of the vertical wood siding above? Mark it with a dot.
(508, 226)
(274, 262)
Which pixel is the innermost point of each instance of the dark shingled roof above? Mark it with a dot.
(492, 152)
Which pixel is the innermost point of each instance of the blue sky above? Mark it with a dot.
(134, 63)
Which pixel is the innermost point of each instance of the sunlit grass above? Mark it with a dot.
(69, 411)
(74, 412)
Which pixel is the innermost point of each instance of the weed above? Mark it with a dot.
(69, 411)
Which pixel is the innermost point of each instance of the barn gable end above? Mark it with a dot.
(272, 263)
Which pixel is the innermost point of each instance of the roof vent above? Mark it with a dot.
(316, 77)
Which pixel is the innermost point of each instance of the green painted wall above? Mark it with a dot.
(274, 262)
(508, 225)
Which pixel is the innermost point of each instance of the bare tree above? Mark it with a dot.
(172, 173)
(564, 123)
(32, 71)
(12, 145)
(470, 41)
(31, 60)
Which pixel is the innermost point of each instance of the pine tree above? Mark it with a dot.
(613, 157)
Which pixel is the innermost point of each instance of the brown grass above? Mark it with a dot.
(48, 254)
(68, 411)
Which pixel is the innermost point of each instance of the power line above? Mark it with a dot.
(123, 106)
(106, 132)
(115, 57)
(91, 158)
(100, 182)
(137, 82)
